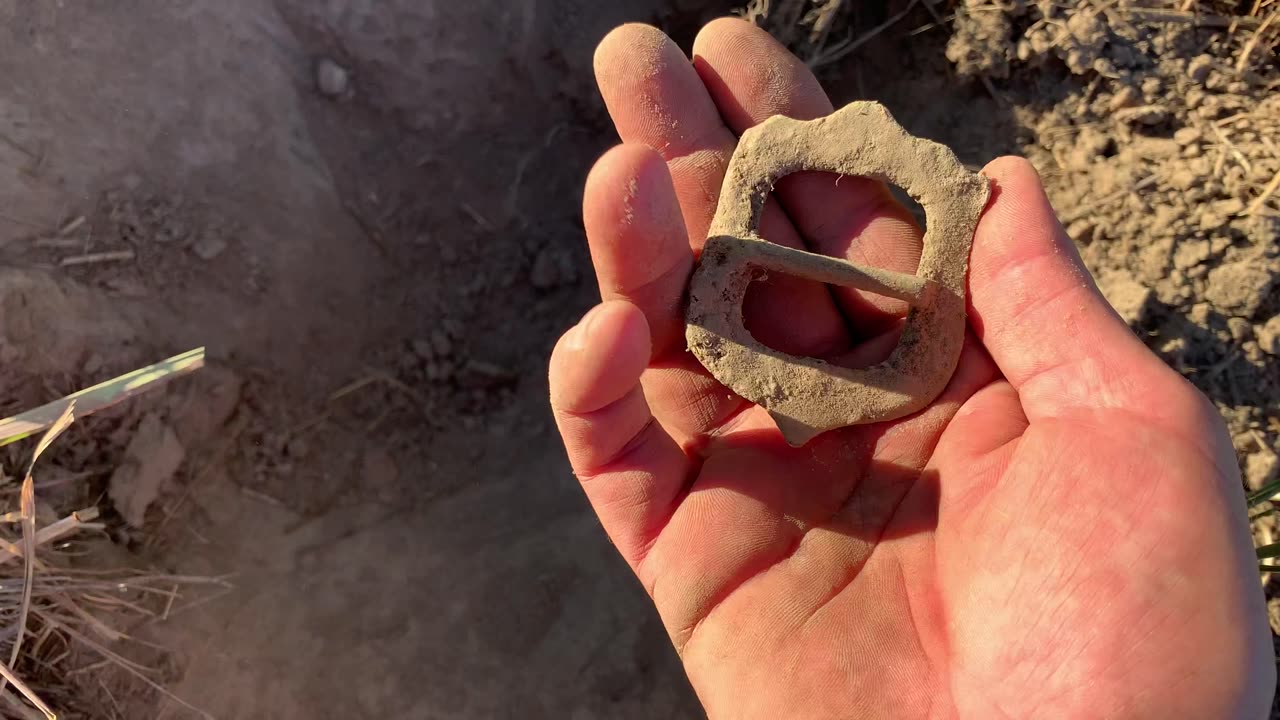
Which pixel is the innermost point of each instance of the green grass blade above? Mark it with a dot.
(1264, 493)
(103, 395)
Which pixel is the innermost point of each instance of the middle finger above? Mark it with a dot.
(655, 97)
(751, 77)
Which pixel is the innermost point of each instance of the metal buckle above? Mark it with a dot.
(807, 396)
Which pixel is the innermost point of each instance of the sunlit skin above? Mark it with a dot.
(1061, 534)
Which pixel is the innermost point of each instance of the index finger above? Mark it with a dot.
(655, 97)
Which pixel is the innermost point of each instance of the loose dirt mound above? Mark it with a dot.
(1159, 148)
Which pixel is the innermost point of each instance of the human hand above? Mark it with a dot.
(1062, 534)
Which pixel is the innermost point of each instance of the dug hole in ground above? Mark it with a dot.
(369, 213)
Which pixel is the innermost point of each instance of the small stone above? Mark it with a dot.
(209, 247)
(422, 348)
(1269, 336)
(1199, 67)
(332, 79)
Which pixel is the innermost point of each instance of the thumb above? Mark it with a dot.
(1039, 313)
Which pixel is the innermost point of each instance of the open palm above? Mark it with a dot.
(1060, 535)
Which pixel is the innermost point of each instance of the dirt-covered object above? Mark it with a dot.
(807, 396)
(152, 457)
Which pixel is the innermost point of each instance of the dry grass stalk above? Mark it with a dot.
(77, 612)
(77, 521)
(28, 505)
(1195, 18)
(98, 257)
(1267, 192)
(826, 57)
(28, 508)
(1247, 52)
(51, 609)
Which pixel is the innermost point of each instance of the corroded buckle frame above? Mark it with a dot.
(807, 396)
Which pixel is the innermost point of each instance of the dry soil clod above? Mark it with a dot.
(807, 396)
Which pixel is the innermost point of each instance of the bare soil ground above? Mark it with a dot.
(369, 213)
